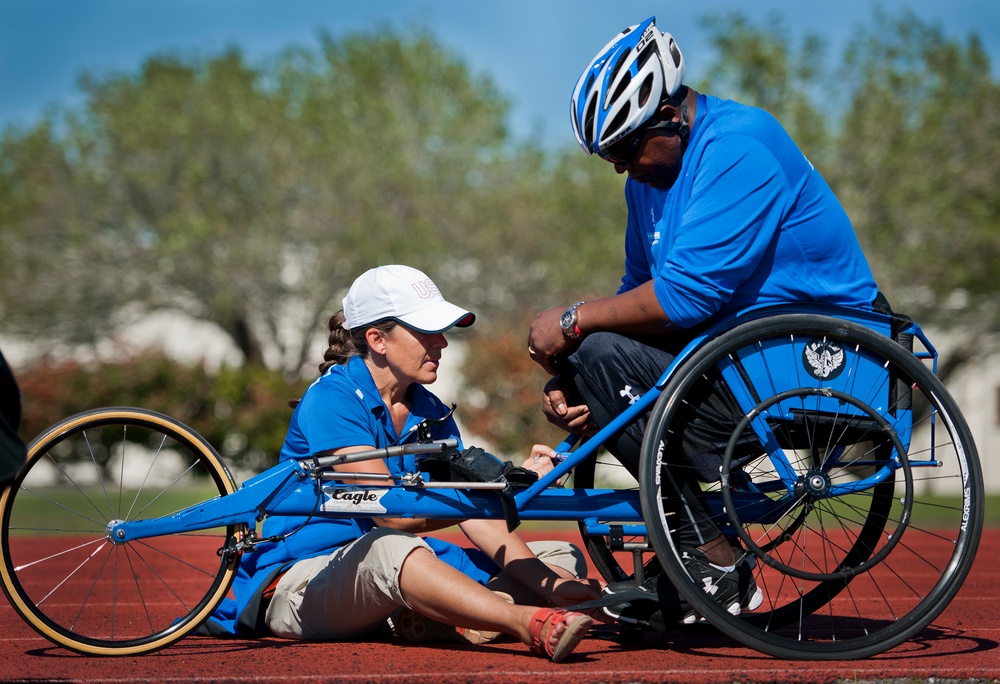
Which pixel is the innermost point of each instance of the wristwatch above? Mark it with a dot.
(568, 322)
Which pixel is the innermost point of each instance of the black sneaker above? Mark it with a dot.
(654, 604)
(734, 589)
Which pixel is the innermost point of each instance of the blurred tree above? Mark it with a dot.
(914, 154)
(242, 412)
(759, 66)
(56, 267)
(242, 196)
(251, 195)
(918, 164)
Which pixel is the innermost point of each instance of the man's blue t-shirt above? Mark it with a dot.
(748, 221)
(342, 408)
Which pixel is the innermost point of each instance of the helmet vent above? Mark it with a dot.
(645, 90)
(588, 119)
(675, 53)
(620, 118)
(626, 80)
(644, 56)
(622, 58)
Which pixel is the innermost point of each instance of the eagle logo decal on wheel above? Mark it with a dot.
(823, 359)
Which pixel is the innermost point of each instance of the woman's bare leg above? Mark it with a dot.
(433, 588)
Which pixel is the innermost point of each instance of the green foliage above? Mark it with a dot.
(52, 278)
(501, 398)
(757, 66)
(914, 157)
(918, 170)
(242, 412)
(247, 196)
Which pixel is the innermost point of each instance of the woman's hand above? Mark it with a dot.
(540, 460)
(568, 592)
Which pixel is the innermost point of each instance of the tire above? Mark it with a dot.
(875, 524)
(61, 571)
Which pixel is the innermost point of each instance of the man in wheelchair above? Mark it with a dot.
(724, 213)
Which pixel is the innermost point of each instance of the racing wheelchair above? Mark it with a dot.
(859, 505)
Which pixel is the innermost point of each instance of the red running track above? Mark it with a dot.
(962, 644)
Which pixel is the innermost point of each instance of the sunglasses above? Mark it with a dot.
(623, 152)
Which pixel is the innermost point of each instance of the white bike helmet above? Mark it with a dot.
(624, 85)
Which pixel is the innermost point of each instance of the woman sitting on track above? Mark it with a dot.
(329, 578)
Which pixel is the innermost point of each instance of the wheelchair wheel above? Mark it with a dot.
(59, 568)
(847, 475)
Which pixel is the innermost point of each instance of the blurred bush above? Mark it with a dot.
(243, 412)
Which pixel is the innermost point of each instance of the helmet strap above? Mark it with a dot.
(683, 129)
(679, 100)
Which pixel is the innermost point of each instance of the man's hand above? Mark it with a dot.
(573, 419)
(546, 339)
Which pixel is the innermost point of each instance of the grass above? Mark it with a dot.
(69, 509)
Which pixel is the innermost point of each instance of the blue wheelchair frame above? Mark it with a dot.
(307, 487)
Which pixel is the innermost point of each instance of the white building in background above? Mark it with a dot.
(180, 337)
(976, 390)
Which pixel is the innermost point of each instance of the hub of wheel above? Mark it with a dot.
(115, 532)
(815, 483)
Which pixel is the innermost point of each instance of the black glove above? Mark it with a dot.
(475, 465)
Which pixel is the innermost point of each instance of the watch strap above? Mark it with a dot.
(569, 323)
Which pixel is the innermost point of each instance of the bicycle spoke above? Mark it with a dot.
(74, 584)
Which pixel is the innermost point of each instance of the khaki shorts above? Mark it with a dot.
(352, 591)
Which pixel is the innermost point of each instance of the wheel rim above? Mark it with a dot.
(63, 574)
(875, 606)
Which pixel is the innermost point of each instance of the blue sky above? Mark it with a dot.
(533, 49)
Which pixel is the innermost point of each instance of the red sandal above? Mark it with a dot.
(577, 626)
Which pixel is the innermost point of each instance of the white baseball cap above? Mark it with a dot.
(404, 295)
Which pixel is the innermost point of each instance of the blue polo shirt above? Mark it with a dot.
(342, 408)
(748, 221)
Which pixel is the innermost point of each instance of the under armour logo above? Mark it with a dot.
(627, 392)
